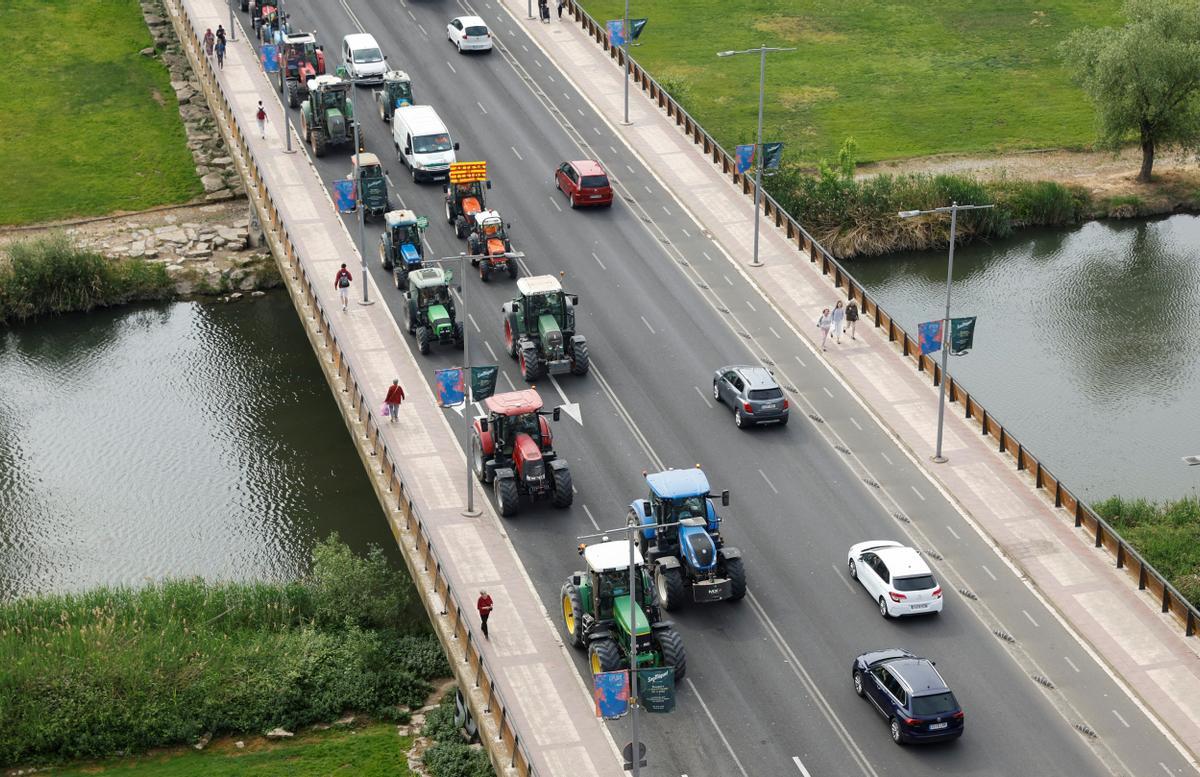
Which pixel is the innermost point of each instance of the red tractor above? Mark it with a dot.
(512, 449)
(300, 58)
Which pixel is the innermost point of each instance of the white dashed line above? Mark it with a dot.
(629, 168)
(777, 335)
(472, 320)
(554, 202)
(481, 106)
(518, 153)
(951, 530)
(567, 96)
(750, 305)
(423, 31)
(729, 748)
(701, 393)
(726, 277)
(602, 267)
(590, 518)
(537, 62)
(1123, 721)
(1070, 663)
(524, 47)
(596, 130)
(838, 571)
(550, 76)
(828, 393)
(769, 483)
(580, 111)
(918, 493)
(452, 70)
(989, 572)
(508, 380)
(685, 232)
(706, 256)
(802, 364)
(800, 766)
(510, 32)
(489, 347)
(665, 210)
(1031, 620)
(647, 323)
(613, 150)
(885, 458)
(410, 15)
(856, 426)
(648, 189)
(1166, 769)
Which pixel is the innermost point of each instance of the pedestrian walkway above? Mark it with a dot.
(544, 702)
(1145, 648)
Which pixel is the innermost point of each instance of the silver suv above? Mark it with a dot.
(752, 393)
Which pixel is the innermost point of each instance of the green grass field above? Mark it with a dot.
(906, 78)
(90, 126)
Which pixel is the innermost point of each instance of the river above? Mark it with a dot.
(1086, 346)
(171, 440)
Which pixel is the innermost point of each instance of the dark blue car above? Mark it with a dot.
(910, 694)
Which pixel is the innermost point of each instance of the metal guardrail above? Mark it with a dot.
(461, 630)
(1105, 536)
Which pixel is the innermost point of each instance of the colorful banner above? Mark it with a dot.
(656, 689)
(450, 387)
(270, 58)
(635, 27)
(962, 335)
(745, 157)
(468, 172)
(611, 692)
(345, 195)
(772, 155)
(483, 382)
(929, 336)
(616, 32)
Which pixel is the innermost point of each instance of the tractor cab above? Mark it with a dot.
(463, 201)
(543, 306)
(682, 495)
(396, 93)
(400, 246)
(608, 568)
(489, 247)
(372, 184)
(539, 329)
(513, 415)
(512, 448)
(302, 55)
(429, 309)
(267, 23)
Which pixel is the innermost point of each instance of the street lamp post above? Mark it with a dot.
(762, 51)
(232, 34)
(362, 209)
(625, 45)
(953, 210)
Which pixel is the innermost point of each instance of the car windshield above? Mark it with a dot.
(475, 31)
(934, 704)
(367, 55)
(771, 393)
(428, 144)
(914, 583)
(594, 181)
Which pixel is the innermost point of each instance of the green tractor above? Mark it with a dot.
(400, 248)
(327, 116)
(372, 183)
(396, 93)
(596, 613)
(429, 309)
(539, 329)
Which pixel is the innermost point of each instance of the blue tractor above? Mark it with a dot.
(400, 246)
(681, 540)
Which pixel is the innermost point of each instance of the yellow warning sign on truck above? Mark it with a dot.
(468, 172)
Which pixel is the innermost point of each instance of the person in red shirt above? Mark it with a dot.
(342, 282)
(485, 609)
(395, 395)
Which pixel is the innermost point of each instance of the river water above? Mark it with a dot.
(1086, 346)
(171, 440)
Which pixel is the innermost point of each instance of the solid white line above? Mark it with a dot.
(590, 518)
(918, 493)
(602, 267)
(1123, 721)
(1070, 663)
(493, 353)
(885, 458)
(856, 426)
(726, 277)
(508, 380)
(750, 305)
(777, 335)
(800, 766)
(706, 256)
(647, 323)
(989, 572)
(481, 106)
(802, 364)
(472, 320)
(720, 733)
(514, 150)
(452, 70)
(769, 483)
(837, 571)
(701, 393)
(951, 530)
(828, 393)
(1030, 617)
(554, 202)
(665, 210)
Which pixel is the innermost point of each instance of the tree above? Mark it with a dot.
(1143, 78)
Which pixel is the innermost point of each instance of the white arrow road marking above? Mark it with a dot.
(569, 407)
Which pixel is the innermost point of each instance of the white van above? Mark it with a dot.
(363, 59)
(422, 142)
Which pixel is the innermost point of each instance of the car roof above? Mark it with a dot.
(468, 21)
(421, 119)
(919, 675)
(361, 40)
(514, 402)
(538, 284)
(902, 561)
(588, 167)
(678, 483)
(756, 377)
(605, 556)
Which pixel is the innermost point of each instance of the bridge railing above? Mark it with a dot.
(1104, 535)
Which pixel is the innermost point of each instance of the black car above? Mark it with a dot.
(910, 693)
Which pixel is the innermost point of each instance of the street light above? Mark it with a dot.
(362, 210)
(762, 51)
(625, 45)
(953, 210)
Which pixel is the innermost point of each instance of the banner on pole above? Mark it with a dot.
(450, 387)
(745, 157)
(656, 689)
(635, 27)
(929, 336)
(962, 335)
(616, 32)
(270, 58)
(483, 381)
(772, 155)
(611, 692)
(345, 194)
(468, 172)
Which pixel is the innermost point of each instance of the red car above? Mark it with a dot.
(584, 182)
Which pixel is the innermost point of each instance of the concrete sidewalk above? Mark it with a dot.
(543, 695)
(1146, 649)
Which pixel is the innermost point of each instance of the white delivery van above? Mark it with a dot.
(422, 142)
(364, 62)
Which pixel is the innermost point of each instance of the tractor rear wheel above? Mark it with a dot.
(512, 268)
(604, 655)
(669, 582)
(423, 339)
(481, 471)
(580, 360)
(736, 572)
(670, 644)
(572, 610)
(529, 364)
(561, 480)
(507, 496)
(485, 272)
(460, 227)
(293, 93)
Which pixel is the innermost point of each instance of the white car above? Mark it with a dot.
(469, 33)
(363, 60)
(896, 577)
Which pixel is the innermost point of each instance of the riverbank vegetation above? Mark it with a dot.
(50, 275)
(120, 670)
(450, 756)
(1167, 534)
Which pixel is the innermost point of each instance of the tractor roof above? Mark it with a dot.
(396, 75)
(610, 556)
(365, 158)
(399, 218)
(538, 284)
(678, 483)
(428, 277)
(514, 403)
(485, 215)
(325, 81)
(299, 37)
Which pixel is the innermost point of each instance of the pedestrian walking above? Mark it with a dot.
(208, 42)
(395, 395)
(262, 124)
(220, 33)
(544, 9)
(484, 605)
(342, 282)
(561, 3)
(824, 323)
(839, 320)
(221, 54)
(852, 318)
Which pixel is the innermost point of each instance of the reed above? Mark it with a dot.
(1166, 533)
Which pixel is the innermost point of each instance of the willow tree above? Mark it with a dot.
(1143, 78)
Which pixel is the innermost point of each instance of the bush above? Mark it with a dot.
(450, 757)
(367, 591)
(1167, 535)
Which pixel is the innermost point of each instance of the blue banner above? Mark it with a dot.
(611, 694)
(745, 157)
(929, 336)
(270, 59)
(345, 195)
(616, 32)
(450, 387)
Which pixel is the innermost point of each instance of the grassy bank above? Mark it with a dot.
(450, 756)
(50, 276)
(99, 130)
(1167, 534)
(124, 670)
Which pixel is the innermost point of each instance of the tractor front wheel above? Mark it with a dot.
(461, 228)
(293, 93)
(561, 480)
(507, 496)
(670, 644)
(580, 360)
(604, 655)
(512, 268)
(572, 610)
(485, 271)
(669, 582)
(510, 339)
(529, 364)
(423, 339)
(736, 572)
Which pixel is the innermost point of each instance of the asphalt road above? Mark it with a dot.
(768, 687)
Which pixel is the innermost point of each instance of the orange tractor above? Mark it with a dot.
(512, 449)
(488, 245)
(463, 201)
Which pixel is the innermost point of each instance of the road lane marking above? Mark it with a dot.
(837, 571)
(720, 733)
(769, 483)
(481, 106)
(989, 572)
(595, 525)
(951, 530)
(508, 380)
(918, 493)
(566, 95)
(726, 277)
(828, 393)
(647, 323)
(524, 47)
(554, 202)
(581, 113)
(518, 153)
(472, 320)
(701, 393)
(885, 458)
(800, 766)
(489, 347)
(666, 211)
(550, 76)
(1070, 663)
(1123, 721)
(777, 335)
(423, 32)
(627, 167)
(1030, 617)
(648, 189)
(510, 32)
(410, 15)
(537, 62)
(856, 426)
(613, 150)
(602, 267)
(802, 364)
(596, 130)
(452, 70)
(1166, 769)
(750, 305)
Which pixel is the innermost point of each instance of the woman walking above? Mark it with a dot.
(852, 318)
(839, 320)
(395, 396)
(209, 39)
(220, 49)
(824, 323)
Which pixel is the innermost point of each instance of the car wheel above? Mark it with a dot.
(853, 569)
(897, 736)
(738, 420)
(858, 683)
(883, 610)
(717, 393)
